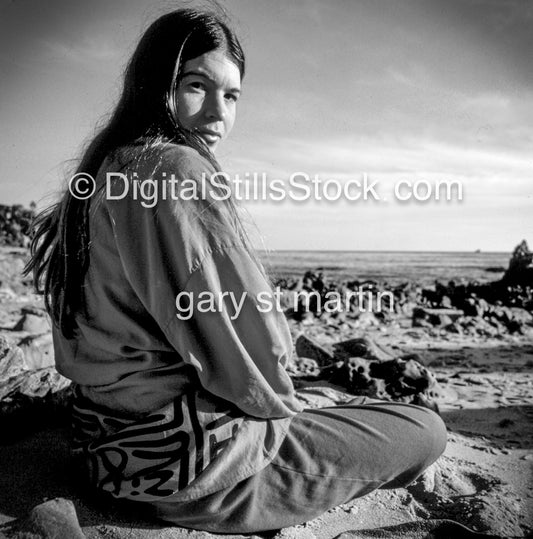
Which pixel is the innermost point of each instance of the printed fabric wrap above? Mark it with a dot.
(160, 454)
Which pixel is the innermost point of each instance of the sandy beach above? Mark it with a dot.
(483, 387)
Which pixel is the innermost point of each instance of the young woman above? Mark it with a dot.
(183, 404)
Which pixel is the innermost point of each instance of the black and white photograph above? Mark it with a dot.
(266, 269)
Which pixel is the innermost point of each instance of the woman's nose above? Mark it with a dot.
(216, 108)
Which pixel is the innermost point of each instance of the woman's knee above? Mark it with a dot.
(431, 443)
(436, 433)
(421, 430)
(424, 435)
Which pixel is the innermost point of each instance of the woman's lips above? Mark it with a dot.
(211, 137)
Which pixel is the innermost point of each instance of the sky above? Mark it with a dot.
(398, 90)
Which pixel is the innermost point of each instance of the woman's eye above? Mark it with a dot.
(197, 85)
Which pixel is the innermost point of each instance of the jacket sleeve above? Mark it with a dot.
(188, 267)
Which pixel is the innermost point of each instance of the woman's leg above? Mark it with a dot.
(330, 456)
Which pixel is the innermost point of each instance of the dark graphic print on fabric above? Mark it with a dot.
(158, 455)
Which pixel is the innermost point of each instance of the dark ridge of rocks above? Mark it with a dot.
(495, 269)
(15, 223)
(499, 307)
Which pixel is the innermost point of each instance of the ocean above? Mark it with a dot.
(393, 267)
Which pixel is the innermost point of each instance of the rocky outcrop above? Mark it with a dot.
(33, 394)
(361, 367)
(520, 270)
(15, 222)
(480, 309)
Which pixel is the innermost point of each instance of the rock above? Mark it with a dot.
(53, 519)
(367, 319)
(15, 224)
(446, 302)
(421, 323)
(445, 320)
(495, 269)
(521, 315)
(306, 347)
(12, 365)
(32, 323)
(473, 307)
(307, 318)
(359, 372)
(361, 347)
(29, 368)
(407, 308)
(34, 384)
(520, 270)
(34, 309)
(32, 393)
(289, 300)
(435, 317)
(7, 293)
(40, 382)
(304, 367)
(38, 351)
(454, 327)
(395, 379)
(414, 370)
(486, 329)
(422, 400)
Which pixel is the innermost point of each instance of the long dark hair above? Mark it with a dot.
(146, 111)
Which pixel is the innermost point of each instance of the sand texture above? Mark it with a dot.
(482, 383)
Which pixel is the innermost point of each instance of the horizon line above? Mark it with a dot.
(378, 251)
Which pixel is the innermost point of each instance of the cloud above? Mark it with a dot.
(86, 48)
(388, 155)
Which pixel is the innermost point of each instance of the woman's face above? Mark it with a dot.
(207, 96)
